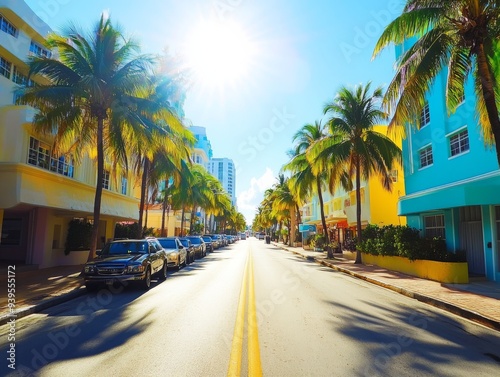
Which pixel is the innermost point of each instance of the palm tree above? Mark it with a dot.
(92, 98)
(353, 144)
(459, 37)
(304, 180)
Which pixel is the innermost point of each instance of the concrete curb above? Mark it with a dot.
(452, 308)
(42, 305)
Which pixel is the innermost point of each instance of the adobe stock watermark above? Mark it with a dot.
(251, 147)
(362, 37)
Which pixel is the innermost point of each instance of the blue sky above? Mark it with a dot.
(302, 52)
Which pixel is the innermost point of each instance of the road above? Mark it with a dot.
(251, 309)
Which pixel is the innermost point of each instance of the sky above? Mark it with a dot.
(261, 69)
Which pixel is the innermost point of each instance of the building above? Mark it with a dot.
(201, 154)
(223, 169)
(452, 180)
(378, 206)
(42, 192)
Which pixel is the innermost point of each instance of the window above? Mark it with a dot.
(62, 165)
(105, 180)
(459, 143)
(426, 157)
(11, 232)
(5, 67)
(124, 185)
(20, 78)
(425, 116)
(7, 27)
(434, 226)
(38, 50)
(39, 153)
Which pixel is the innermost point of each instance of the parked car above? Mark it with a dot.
(134, 260)
(190, 249)
(176, 253)
(199, 246)
(261, 236)
(209, 243)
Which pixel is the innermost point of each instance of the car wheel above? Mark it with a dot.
(146, 282)
(163, 272)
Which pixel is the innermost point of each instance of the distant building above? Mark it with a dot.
(224, 170)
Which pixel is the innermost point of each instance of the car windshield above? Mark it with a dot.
(117, 248)
(195, 240)
(185, 242)
(206, 238)
(168, 244)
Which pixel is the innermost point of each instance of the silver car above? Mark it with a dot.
(176, 252)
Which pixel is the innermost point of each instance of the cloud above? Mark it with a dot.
(249, 200)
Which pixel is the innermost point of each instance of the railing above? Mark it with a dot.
(56, 165)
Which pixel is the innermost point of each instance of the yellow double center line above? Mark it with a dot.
(254, 365)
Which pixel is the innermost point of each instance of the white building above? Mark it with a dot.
(223, 169)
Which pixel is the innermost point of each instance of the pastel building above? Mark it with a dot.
(40, 192)
(452, 180)
(378, 206)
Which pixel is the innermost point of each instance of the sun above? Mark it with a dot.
(219, 53)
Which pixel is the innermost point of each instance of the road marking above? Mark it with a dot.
(254, 363)
(237, 346)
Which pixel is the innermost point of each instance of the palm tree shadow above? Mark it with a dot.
(418, 338)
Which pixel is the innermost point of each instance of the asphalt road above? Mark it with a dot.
(251, 309)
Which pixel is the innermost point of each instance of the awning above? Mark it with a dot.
(483, 190)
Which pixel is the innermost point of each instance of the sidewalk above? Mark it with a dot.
(478, 301)
(36, 290)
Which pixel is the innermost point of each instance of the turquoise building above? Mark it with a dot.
(452, 181)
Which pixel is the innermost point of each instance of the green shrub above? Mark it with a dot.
(404, 241)
(78, 237)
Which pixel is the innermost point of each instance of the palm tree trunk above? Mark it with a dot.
(358, 209)
(489, 97)
(143, 196)
(191, 220)
(98, 189)
(163, 209)
(182, 221)
(322, 210)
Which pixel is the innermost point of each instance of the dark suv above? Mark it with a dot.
(126, 260)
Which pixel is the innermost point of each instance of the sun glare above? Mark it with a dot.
(219, 53)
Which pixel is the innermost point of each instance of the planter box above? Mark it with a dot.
(444, 272)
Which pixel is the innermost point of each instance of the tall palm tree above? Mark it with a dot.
(92, 97)
(304, 180)
(460, 37)
(354, 144)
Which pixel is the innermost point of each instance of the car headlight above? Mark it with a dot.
(135, 269)
(90, 269)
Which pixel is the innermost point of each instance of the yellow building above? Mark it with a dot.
(40, 193)
(378, 206)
